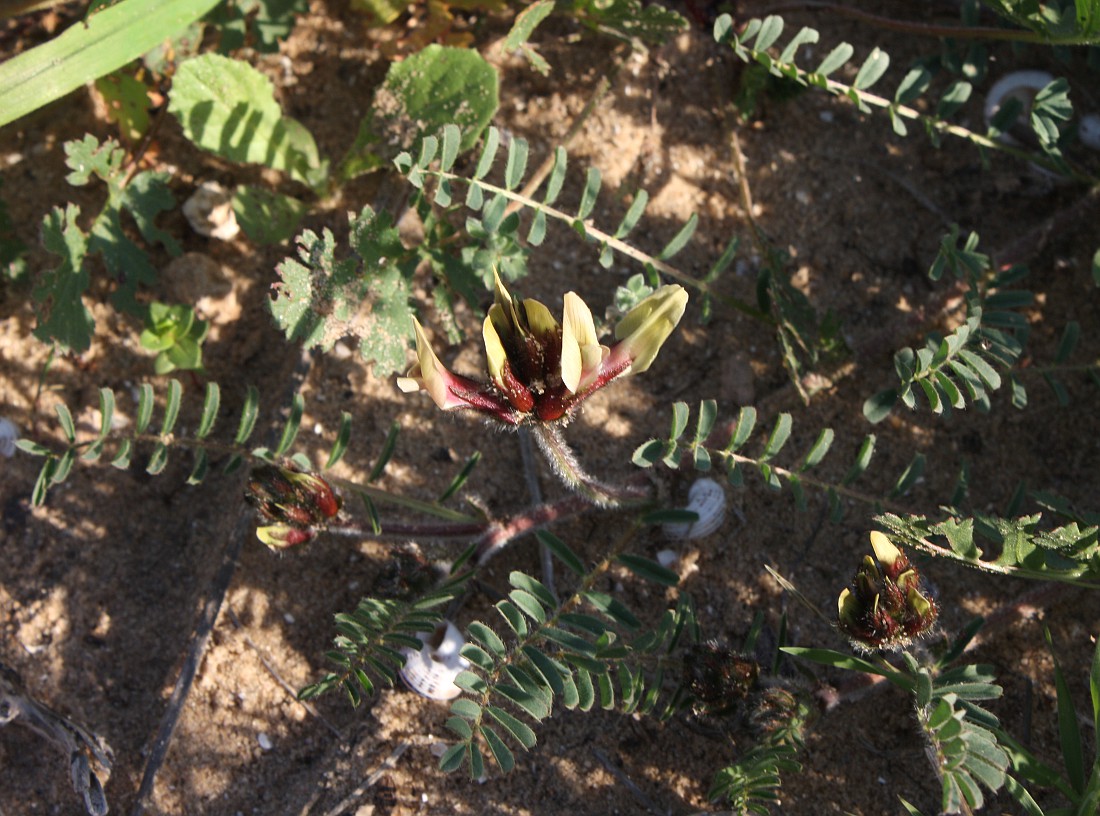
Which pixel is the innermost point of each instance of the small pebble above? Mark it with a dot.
(9, 432)
(265, 741)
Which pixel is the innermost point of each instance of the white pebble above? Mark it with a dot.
(668, 558)
(265, 741)
(9, 432)
(1088, 131)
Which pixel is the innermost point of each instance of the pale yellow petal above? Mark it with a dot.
(494, 348)
(646, 327)
(885, 551)
(581, 352)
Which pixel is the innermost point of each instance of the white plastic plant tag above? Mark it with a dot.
(431, 672)
(707, 499)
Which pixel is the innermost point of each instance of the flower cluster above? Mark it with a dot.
(299, 503)
(885, 607)
(541, 370)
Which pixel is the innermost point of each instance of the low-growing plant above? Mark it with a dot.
(574, 642)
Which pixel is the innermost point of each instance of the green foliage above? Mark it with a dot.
(260, 24)
(127, 103)
(1023, 546)
(751, 785)
(267, 217)
(753, 43)
(586, 650)
(62, 317)
(963, 738)
(228, 107)
(526, 23)
(630, 20)
(320, 299)
(90, 49)
(421, 94)
(368, 646)
(175, 336)
(676, 449)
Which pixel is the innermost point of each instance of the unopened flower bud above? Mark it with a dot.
(283, 536)
(718, 676)
(299, 503)
(885, 607)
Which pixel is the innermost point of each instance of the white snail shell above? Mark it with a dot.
(707, 499)
(431, 672)
(1019, 85)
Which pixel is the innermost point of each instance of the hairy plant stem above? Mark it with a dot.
(569, 470)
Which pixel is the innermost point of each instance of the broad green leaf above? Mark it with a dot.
(265, 216)
(228, 107)
(90, 48)
(436, 86)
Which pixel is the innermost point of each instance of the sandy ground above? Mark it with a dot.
(101, 589)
